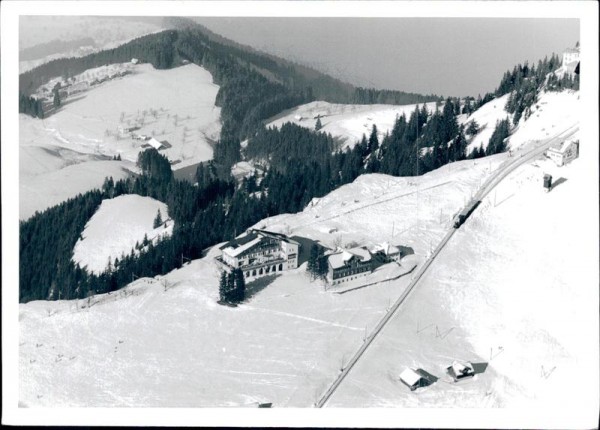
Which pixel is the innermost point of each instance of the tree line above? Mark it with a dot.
(303, 164)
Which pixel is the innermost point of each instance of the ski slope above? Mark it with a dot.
(116, 227)
(346, 122)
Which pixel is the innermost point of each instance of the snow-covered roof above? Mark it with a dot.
(561, 147)
(154, 143)
(234, 252)
(340, 259)
(387, 249)
(460, 368)
(572, 51)
(410, 376)
(252, 237)
(278, 236)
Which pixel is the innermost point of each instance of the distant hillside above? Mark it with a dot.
(253, 86)
(277, 70)
(298, 76)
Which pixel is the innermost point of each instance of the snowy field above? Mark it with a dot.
(345, 121)
(106, 32)
(144, 346)
(38, 192)
(86, 129)
(513, 289)
(116, 227)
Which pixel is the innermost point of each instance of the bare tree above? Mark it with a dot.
(337, 241)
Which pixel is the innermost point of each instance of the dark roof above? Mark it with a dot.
(239, 241)
(253, 234)
(279, 236)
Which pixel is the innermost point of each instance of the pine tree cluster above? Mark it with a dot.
(232, 287)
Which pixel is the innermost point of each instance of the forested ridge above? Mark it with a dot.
(300, 164)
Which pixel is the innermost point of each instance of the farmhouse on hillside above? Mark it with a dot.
(564, 152)
(259, 253)
(127, 129)
(459, 371)
(413, 379)
(77, 88)
(349, 264)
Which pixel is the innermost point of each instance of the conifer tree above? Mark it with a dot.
(322, 265)
(373, 143)
(223, 290)
(318, 125)
(56, 101)
(239, 286)
(158, 220)
(312, 267)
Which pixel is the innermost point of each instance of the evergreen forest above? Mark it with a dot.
(300, 164)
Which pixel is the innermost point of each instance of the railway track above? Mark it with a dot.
(483, 191)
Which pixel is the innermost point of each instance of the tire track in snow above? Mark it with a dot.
(288, 314)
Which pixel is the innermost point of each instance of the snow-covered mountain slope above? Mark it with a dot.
(554, 111)
(413, 211)
(39, 192)
(106, 33)
(514, 288)
(116, 227)
(144, 346)
(86, 127)
(486, 117)
(345, 121)
(510, 290)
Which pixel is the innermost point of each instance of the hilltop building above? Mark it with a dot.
(564, 152)
(259, 253)
(570, 55)
(570, 61)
